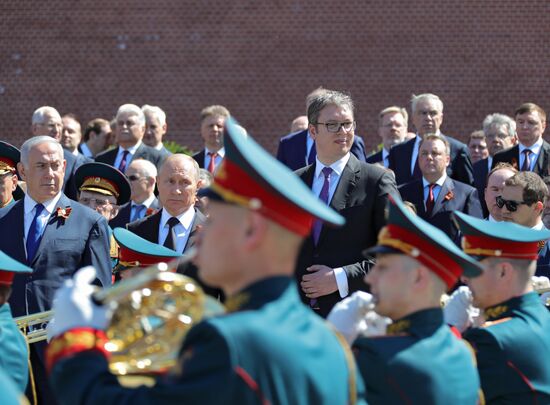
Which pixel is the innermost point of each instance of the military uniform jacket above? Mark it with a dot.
(513, 352)
(419, 361)
(13, 349)
(273, 350)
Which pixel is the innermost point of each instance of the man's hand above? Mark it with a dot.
(459, 311)
(321, 281)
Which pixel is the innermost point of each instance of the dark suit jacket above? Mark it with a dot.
(360, 197)
(543, 262)
(375, 158)
(453, 196)
(460, 168)
(481, 170)
(69, 186)
(292, 149)
(199, 157)
(66, 246)
(511, 155)
(125, 212)
(142, 152)
(148, 228)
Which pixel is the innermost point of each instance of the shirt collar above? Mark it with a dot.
(147, 202)
(186, 218)
(49, 205)
(439, 181)
(539, 226)
(337, 167)
(535, 148)
(131, 149)
(385, 153)
(221, 152)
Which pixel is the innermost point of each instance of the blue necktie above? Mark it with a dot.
(138, 212)
(35, 233)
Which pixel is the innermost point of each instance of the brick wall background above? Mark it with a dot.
(261, 58)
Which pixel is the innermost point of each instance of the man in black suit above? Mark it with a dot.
(130, 128)
(392, 128)
(330, 265)
(71, 137)
(176, 225)
(155, 128)
(532, 153)
(500, 133)
(142, 175)
(53, 234)
(436, 195)
(47, 121)
(427, 117)
(212, 126)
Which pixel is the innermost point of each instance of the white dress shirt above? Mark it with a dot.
(131, 150)
(183, 229)
(208, 158)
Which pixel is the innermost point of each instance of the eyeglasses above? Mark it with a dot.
(511, 205)
(96, 201)
(335, 127)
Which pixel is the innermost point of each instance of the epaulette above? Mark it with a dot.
(491, 323)
(113, 247)
(236, 302)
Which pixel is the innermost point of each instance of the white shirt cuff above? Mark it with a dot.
(341, 281)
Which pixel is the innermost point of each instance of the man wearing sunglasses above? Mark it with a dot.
(522, 202)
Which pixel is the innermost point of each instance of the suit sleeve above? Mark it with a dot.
(203, 376)
(462, 169)
(473, 206)
(97, 252)
(358, 149)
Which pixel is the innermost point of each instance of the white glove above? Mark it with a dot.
(73, 306)
(459, 311)
(540, 283)
(354, 315)
(374, 324)
(545, 298)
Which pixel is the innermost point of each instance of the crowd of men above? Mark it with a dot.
(324, 230)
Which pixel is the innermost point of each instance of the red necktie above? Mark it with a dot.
(430, 202)
(212, 164)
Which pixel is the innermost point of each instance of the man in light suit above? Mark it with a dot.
(330, 264)
(532, 153)
(392, 128)
(53, 234)
(176, 225)
(212, 130)
(427, 117)
(130, 129)
(155, 129)
(436, 195)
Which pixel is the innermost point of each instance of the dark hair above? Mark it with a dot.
(534, 189)
(94, 126)
(530, 107)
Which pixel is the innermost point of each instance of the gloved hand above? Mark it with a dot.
(354, 315)
(545, 299)
(73, 306)
(459, 311)
(540, 282)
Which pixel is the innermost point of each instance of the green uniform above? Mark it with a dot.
(271, 350)
(418, 361)
(513, 352)
(14, 354)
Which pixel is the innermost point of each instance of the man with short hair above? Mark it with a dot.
(155, 128)
(436, 195)
(53, 234)
(546, 211)
(427, 117)
(392, 128)
(416, 359)
(477, 146)
(9, 191)
(212, 129)
(142, 175)
(71, 137)
(331, 265)
(532, 153)
(512, 346)
(268, 348)
(500, 132)
(97, 138)
(47, 121)
(495, 184)
(297, 150)
(298, 124)
(130, 128)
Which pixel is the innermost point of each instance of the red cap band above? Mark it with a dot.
(489, 246)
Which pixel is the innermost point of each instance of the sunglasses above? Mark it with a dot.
(511, 205)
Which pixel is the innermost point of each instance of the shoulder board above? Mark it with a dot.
(491, 323)
(113, 248)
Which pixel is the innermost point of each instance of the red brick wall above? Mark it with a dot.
(260, 59)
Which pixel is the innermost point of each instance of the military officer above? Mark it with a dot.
(14, 355)
(268, 348)
(417, 360)
(136, 253)
(512, 346)
(9, 190)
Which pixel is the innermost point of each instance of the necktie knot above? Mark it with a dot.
(172, 222)
(38, 209)
(527, 152)
(138, 211)
(327, 171)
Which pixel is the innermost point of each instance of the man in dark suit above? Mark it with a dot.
(330, 264)
(427, 117)
(436, 195)
(53, 234)
(500, 133)
(176, 225)
(130, 128)
(532, 153)
(212, 126)
(155, 129)
(71, 137)
(97, 138)
(142, 175)
(392, 128)
(47, 121)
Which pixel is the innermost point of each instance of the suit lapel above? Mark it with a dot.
(51, 227)
(18, 230)
(346, 185)
(419, 203)
(198, 221)
(541, 166)
(448, 187)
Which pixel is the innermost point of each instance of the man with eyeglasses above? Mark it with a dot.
(522, 202)
(330, 265)
(496, 180)
(392, 128)
(500, 133)
(532, 153)
(427, 117)
(142, 175)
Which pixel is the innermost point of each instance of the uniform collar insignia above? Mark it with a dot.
(236, 302)
(399, 327)
(495, 312)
